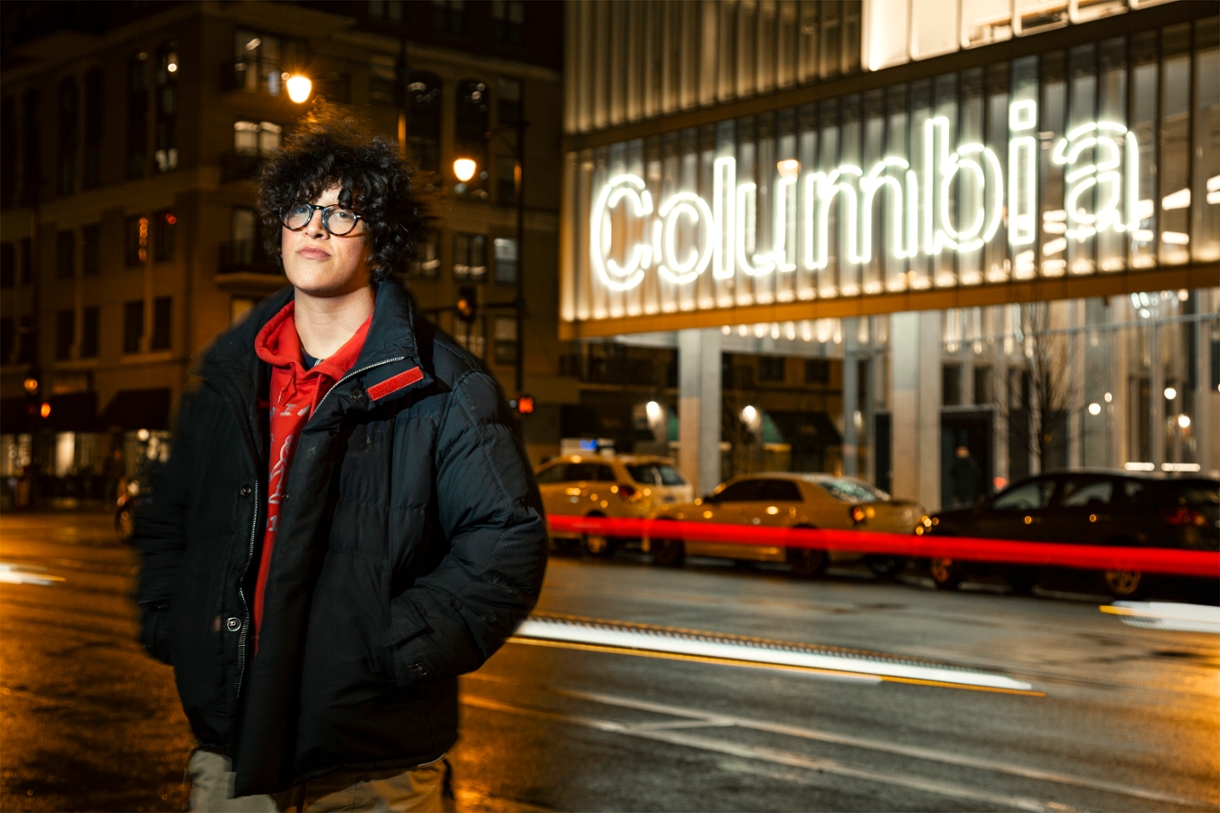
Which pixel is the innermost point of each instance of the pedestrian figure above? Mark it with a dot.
(966, 478)
(346, 522)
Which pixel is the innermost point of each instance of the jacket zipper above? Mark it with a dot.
(241, 592)
(351, 375)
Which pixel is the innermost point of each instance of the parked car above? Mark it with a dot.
(1095, 507)
(596, 485)
(792, 500)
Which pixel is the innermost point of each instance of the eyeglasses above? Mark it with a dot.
(336, 219)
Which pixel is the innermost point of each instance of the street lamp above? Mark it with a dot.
(299, 87)
(464, 169)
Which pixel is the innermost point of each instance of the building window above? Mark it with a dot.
(449, 15)
(504, 349)
(259, 138)
(8, 265)
(133, 325)
(8, 156)
(505, 250)
(427, 258)
(65, 254)
(470, 131)
(164, 226)
(167, 107)
(162, 315)
(817, 371)
(951, 381)
(506, 179)
(8, 339)
(260, 62)
(135, 240)
(508, 22)
(27, 353)
(382, 80)
(424, 125)
(982, 384)
(69, 134)
(91, 249)
(31, 157)
(90, 332)
(469, 257)
(772, 369)
(65, 327)
(508, 101)
(386, 9)
(27, 261)
(92, 176)
(137, 114)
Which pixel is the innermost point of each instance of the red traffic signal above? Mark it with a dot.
(523, 404)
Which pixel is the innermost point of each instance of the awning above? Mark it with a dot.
(138, 409)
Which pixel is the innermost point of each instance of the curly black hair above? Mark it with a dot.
(330, 147)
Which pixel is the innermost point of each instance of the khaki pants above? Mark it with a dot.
(425, 789)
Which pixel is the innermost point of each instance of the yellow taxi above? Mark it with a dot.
(598, 485)
(792, 500)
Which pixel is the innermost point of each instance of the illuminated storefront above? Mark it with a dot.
(1081, 168)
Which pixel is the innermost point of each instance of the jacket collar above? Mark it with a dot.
(390, 349)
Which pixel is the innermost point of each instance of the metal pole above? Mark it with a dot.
(519, 304)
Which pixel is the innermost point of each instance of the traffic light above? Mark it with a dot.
(523, 404)
(467, 306)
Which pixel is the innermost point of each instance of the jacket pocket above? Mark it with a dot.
(155, 632)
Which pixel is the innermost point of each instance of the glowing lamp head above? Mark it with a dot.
(1170, 393)
(789, 168)
(463, 169)
(749, 414)
(655, 413)
(31, 385)
(299, 88)
(1184, 421)
(1094, 408)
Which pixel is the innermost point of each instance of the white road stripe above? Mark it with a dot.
(688, 645)
(778, 757)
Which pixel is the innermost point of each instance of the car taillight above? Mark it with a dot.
(1181, 515)
(626, 493)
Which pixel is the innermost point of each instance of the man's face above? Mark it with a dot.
(320, 264)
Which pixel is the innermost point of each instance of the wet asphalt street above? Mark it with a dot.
(1120, 718)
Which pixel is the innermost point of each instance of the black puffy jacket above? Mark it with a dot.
(411, 544)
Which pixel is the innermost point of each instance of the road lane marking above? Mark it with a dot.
(775, 756)
(802, 732)
(633, 639)
(1160, 615)
(25, 574)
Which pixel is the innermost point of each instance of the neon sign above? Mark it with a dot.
(686, 235)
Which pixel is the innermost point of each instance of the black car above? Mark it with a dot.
(1084, 508)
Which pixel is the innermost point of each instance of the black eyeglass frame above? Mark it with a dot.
(325, 217)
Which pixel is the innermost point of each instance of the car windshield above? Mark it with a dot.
(656, 474)
(852, 490)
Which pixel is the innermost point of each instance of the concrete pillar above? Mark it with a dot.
(699, 406)
(916, 405)
(851, 396)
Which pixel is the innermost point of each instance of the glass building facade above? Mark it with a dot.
(1048, 207)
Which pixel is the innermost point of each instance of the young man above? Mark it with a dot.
(346, 523)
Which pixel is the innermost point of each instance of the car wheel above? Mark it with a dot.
(806, 562)
(946, 574)
(597, 544)
(1123, 583)
(667, 552)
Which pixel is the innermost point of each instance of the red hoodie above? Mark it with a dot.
(294, 394)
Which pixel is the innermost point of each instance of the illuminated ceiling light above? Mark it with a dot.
(254, 43)
(1108, 397)
(464, 169)
(1175, 238)
(1183, 295)
(1176, 200)
(299, 88)
(172, 67)
(1094, 408)
(655, 412)
(1170, 393)
(789, 168)
(1184, 421)
(749, 414)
